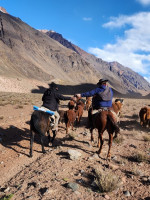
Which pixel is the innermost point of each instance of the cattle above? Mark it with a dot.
(41, 123)
(70, 115)
(116, 107)
(79, 109)
(144, 115)
(88, 103)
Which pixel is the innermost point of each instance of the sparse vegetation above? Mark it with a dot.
(136, 171)
(8, 197)
(140, 157)
(19, 106)
(19, 99)
(106, 180)
(146, 138)
(1, 117)
(118, 140)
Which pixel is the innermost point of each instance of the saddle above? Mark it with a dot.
(100, 110)
(94, 112)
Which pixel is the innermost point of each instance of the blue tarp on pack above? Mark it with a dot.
(42, 109)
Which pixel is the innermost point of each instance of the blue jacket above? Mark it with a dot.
(96, 101)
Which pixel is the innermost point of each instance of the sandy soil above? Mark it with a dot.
(46, 176)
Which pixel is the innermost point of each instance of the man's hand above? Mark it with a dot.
(78, 95)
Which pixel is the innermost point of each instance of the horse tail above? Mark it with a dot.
(114, 124)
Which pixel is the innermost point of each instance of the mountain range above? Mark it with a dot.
(46, 56)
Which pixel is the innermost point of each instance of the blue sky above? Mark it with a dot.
(114, 30)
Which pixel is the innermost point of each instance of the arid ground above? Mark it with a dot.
(55, 175)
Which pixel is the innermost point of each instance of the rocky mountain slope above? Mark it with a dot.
(29, 54)
(26, 52)
(122, 78)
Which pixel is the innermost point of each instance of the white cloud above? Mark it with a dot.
(133, 48)
(144, 2)
(147, 78)
(87, 18)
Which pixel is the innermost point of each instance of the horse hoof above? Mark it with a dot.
(44, 151)
(98, 152)
(115, 136)
(108, 158)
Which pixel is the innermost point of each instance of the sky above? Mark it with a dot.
(113, 30)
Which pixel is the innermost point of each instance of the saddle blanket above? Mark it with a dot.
(43, 109)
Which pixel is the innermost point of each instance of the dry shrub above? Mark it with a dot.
(1, 117)
(118, 140)
(106, 181)
(140, 157)
(146, 138)
(19, 106)
(8, 197)
(136, 171)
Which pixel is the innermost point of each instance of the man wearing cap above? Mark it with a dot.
(102, 95)
(51, 101)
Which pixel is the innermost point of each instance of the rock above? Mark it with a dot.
(7, 189)
(77, 193)
(43, 190)
(132, 145)
(123, 179)
(106, 196)
(95, 156)
(73, 186)
(74, 154)
(127, 193)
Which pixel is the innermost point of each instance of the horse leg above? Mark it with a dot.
(54, 135)
(110, 144)
(72, 125)
(101, 142)
(49, 137)
(98, 141)
(31, 141)
(42, 143)
(67, 127)
(92, 136)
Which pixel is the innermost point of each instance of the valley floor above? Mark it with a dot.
(48, 176)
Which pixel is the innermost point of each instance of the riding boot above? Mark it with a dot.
(89, 125)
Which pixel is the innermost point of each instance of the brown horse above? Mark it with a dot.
(103, 120)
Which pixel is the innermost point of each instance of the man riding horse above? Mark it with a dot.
(101, 116)
(102, 95)
(101, 101)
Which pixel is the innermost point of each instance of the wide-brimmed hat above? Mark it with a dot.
(102, 81)
(53, 85)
